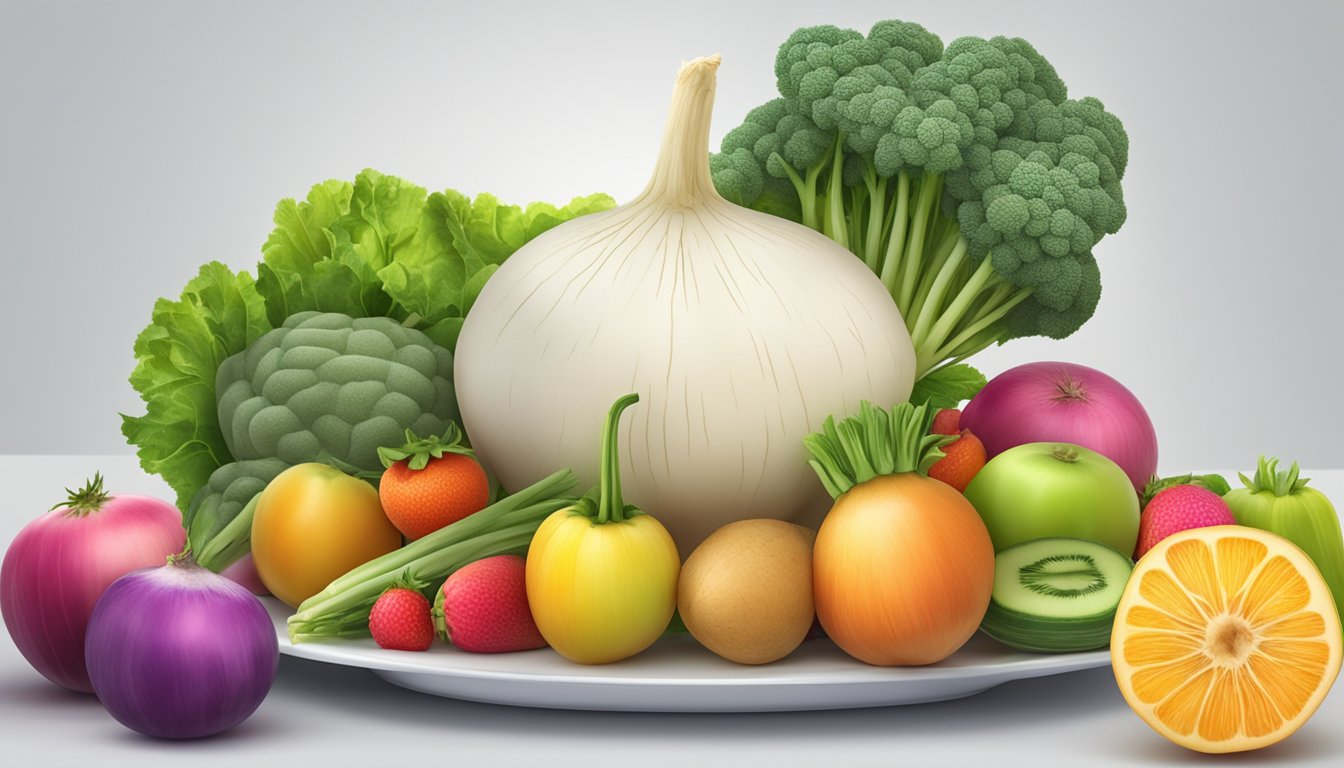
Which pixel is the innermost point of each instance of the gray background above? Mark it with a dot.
(140, 139)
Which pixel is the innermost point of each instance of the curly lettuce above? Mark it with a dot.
(376, 247)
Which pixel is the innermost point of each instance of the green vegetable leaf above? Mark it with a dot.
(876, 442)
(326, 252)
(420, 450)
(948, 386)
(460, 242)
(300, 241)
(1216, 483)
(377, 247)
(474, 286)
(179, 438)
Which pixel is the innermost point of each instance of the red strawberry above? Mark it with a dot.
(1179, 508)
(482, 607)
(946, 422)
(400, 621)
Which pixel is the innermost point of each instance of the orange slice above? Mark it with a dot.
(1226, 639)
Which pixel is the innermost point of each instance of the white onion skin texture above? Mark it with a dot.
(741, 332)
(179, 652)
(60, 563)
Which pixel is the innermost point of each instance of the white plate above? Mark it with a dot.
(678, 675)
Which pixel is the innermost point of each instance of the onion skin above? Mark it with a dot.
(903, 569)
(741, 331)
(179, 652)
(59, 564)
(1054, 402)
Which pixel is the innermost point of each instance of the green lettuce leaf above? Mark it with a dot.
(379, 246)
(179, 438)
(325, 252)
(948, 386)
(460, 244)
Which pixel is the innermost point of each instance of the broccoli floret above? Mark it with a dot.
(963, 176)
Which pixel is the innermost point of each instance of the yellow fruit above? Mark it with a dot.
(313, 523)
(1226, 639)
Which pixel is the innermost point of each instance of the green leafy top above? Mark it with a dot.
(1268, 477)
(88, 499)
(962, 175)
(379, 246)
(947, 386)
(1216, 483)
(874, 443)
(420, 451)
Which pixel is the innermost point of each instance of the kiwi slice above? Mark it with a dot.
(1056, 595)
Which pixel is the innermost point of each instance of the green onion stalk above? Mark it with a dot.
(505, 527)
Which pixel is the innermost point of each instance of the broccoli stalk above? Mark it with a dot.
(952, 306)
(963, 177)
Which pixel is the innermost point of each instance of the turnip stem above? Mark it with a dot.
(681, 175)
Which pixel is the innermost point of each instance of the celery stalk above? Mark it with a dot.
(507, 526)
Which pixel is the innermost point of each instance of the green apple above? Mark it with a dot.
(1046, 490)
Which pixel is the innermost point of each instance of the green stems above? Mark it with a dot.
(874, 443)
(610, 505)
(953, 303)
(925, 209)
(835, 226)
(877, 221)
(231, 543)
(931, 300)
(342, 609)
(891, 262)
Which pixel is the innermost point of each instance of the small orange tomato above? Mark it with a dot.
(313, 523)
(964, 457)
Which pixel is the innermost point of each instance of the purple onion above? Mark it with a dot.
(60, 563)
(179, 652)
(1050, 402)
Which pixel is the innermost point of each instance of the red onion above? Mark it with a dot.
(61, 562)
(179, 652)
(1065, 403)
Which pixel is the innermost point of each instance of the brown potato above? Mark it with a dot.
(746, 592)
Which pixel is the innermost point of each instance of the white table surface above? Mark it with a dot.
(324, 715)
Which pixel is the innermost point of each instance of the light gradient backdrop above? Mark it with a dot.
(141, 139)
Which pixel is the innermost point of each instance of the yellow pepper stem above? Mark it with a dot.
(610, 505)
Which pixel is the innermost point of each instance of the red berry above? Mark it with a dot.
(965, 457)
(400, 621)
(485, 607)
(946, 422)
(1179, 508)
(421, 501)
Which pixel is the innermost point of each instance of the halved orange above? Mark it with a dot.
(1226, 638)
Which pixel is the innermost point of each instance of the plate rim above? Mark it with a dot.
(1019, 667)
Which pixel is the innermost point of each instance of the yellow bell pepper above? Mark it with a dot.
(602, 575)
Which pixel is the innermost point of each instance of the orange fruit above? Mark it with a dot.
(964, 458)
(1226, 638)
(421, 501)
